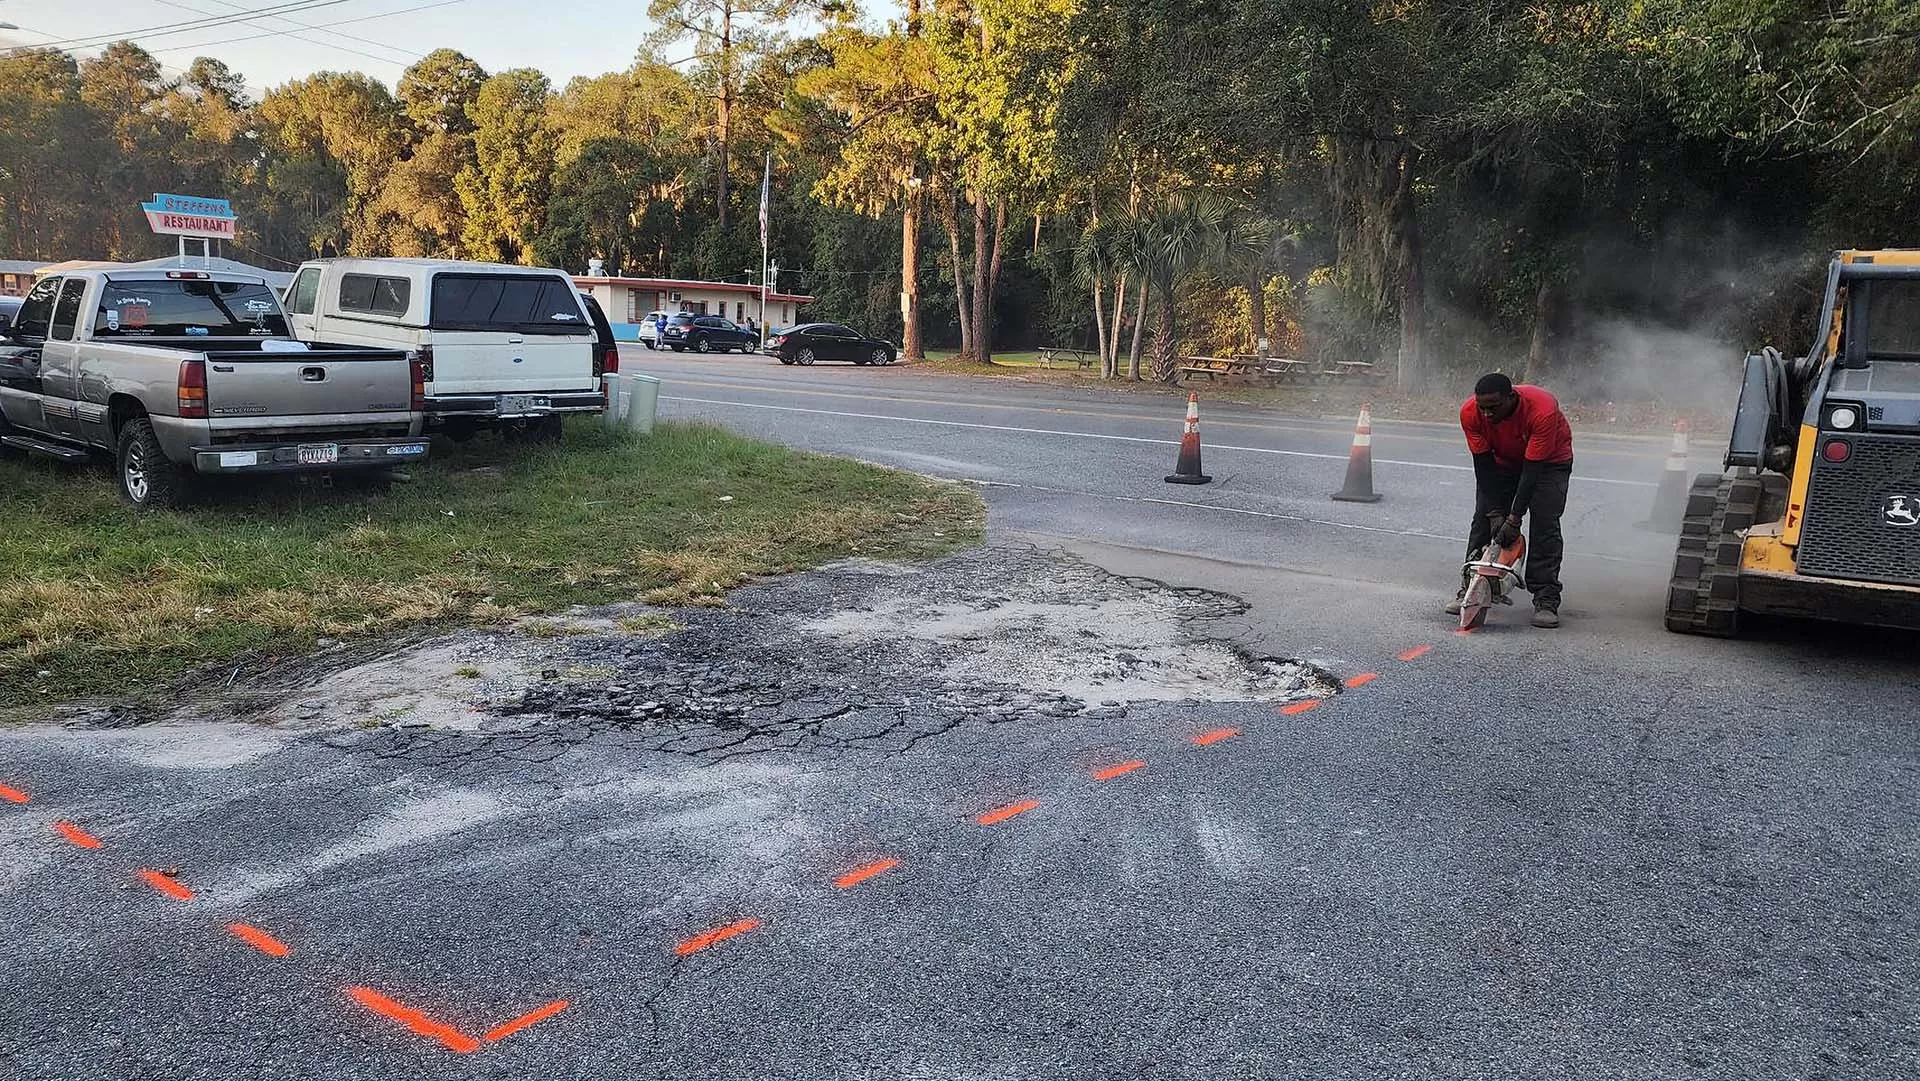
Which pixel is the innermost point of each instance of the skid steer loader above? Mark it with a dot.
(1818, 513)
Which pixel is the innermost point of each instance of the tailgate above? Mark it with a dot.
(335, 382)
(487, 362)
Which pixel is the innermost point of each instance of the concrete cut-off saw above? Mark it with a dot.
(1491, 580)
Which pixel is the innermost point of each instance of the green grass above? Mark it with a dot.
(106, 601)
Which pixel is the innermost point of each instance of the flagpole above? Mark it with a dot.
(766, 182)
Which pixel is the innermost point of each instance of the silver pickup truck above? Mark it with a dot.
(180, 372)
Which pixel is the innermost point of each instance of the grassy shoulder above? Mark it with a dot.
(99, 600)
(1326, 400)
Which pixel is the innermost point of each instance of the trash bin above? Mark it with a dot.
(633, 401)
(643, 403)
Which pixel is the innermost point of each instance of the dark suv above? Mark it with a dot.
(706, 334)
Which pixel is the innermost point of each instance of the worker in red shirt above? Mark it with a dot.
(1522, 451)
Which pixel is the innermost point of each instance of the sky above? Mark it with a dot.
(377, 37)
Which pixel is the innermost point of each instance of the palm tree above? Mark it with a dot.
(1180, 237)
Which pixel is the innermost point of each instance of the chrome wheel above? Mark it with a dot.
(703, 345)
(136, 474)
(806, 357)
(881, 356)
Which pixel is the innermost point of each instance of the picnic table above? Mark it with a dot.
(1213, 367)
(1051, 353)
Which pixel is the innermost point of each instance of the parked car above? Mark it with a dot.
(650, 328)
(179, 373)
(707, 334)
(509, 348)
(810, 342)
(8, 305)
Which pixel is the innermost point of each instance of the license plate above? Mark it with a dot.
(524, 403)
(406, 450)
(319, 453)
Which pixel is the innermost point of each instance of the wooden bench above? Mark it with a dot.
(1051, 353)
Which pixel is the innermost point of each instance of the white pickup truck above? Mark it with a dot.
(504, 347)
(180, 372)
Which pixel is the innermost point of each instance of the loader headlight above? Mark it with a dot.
(1843, 418)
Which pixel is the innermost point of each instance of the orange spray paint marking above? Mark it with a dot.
(1415, 653)
(77, 835)
(1463, 632)
(1111, 772)
(1294, 709)
(861, 874)
(526, 1020)
(415, 1021)
(719, 934)
(1215, 736)
(12, 795)
(1362, 679)
(259, 940)
(166, 885)
(1001, 814)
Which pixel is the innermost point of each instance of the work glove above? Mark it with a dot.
(1508, 532)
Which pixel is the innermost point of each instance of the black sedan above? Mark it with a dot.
(706, 334)
(809, 342)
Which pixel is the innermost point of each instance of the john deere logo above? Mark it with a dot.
(1900, 510)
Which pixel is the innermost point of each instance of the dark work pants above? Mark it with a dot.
(1545, 545)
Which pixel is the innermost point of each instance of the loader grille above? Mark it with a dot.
(1848, 533)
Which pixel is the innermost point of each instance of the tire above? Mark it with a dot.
(881, 357)
(704, 345)
(147, 480)
(1703, 596)
(805, 358)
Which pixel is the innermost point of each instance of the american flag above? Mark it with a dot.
(766, 187)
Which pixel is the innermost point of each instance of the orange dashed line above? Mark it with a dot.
(1111, 772)
(1001, 814)
(166, 885)
(12, 795)
(861, 874)
(1362, 679)
(719, 934)
(1415, 653)
(1215, 736)
(77, 835)
(1294, 709)
(526, 1020)
(259, 940)
(415, 1021)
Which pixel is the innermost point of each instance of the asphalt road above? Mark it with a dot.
(1597, 852)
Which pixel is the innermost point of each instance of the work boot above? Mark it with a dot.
(1546, 617)
(1453, 606)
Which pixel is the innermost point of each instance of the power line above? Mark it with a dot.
(185, 25)
(245, 18)
(342, 22)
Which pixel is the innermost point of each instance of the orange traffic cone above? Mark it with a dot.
(1186, 470)
(1359, 486)
(1670, 499)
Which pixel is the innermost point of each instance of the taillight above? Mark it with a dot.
(1836, 450)
(610, 360)
(418, 369)
(425, 356)
(192, 386)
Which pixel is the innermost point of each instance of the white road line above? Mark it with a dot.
(1112, 438)
(1275, 515)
